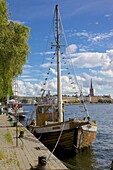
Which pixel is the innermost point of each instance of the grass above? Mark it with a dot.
(8, 137)
(2, 154)
(10, 160)
(21, 129)
(18, 164)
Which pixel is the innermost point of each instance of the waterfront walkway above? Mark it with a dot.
(24, 153)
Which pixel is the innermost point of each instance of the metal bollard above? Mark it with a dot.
(14, 124)
(42, 163)
(42, 160)
(21, 134)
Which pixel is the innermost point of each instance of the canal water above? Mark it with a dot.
(100, 155)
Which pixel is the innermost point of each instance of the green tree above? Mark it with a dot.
(14, 50)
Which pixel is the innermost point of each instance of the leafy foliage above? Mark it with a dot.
(14, 50)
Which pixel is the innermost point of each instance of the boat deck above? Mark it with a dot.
(23, 153)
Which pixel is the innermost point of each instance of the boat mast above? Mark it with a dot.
(59, 84)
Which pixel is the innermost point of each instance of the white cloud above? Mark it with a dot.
(45, 65)
(82, 34)
(96, 23)
(30, 80)
(24, 76)
(108, 15)
(71, 49)
(93, 59)
(91, 37)
(53, 71)
(107, 73)
(27, 66)
(105, 61)
(87, 60)
(27, 88)
(110, 53)
(100, 36)
(45, 53)
(16, 21)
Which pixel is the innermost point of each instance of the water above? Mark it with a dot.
(100, 155)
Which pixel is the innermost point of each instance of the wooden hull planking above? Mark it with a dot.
(85, 138)
(72, 136)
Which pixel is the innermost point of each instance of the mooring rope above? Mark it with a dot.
(57, 141)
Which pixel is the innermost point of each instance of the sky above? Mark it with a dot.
(88, 31)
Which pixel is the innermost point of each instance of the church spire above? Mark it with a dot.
(91, 89)
(91, 84)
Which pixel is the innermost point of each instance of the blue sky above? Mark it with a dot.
(88, 27)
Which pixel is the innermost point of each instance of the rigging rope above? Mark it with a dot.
(57, 141)
(80, 90)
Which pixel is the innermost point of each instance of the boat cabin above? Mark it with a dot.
(46, 113)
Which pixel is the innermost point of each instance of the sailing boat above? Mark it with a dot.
(50, 126)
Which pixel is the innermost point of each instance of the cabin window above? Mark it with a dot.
(49, 110)
(40, 110)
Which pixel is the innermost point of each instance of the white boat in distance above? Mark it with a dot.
(50, 126)
(15, 108)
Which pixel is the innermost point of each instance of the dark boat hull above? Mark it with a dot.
(51, 138)
(71, 138)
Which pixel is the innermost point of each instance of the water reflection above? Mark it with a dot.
(83, 160)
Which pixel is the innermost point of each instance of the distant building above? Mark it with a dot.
(91, 89)
(96, 99)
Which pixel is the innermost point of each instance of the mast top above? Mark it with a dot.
(56, 6)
